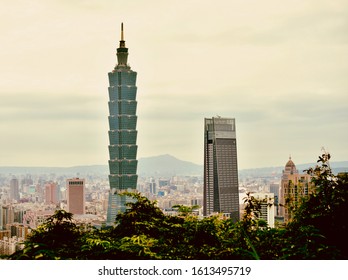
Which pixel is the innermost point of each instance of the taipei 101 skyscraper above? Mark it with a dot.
(122, 132)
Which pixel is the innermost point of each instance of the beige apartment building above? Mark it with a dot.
(294, 187)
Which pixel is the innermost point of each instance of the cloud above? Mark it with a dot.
(279, 68)
(51, 106)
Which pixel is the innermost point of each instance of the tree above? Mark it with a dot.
(325, 210)
(57, 238)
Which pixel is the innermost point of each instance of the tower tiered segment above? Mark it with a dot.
(122, 132)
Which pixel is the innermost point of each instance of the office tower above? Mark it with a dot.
(7, 215)
(1, 218)
(152, 186)
(267, 208)
(76, 196)
(221, 192)
(14, 189)
(51, 193)
(293, 188)
(274, 188)
(122, 132)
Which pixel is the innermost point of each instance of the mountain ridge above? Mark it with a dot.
(161, 165)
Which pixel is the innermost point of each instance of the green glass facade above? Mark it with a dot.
(122, 132)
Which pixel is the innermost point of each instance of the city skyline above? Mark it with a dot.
(278, 68)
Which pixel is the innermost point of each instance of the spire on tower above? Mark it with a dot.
(122, 42)
(122, 52)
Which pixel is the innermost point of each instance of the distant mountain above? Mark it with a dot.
(167, 165)
(163, 165)
(160, 166)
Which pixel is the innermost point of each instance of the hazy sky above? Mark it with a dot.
(279, 67)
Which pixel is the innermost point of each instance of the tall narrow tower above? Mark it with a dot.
(221, 192)
(14, 189)
(122, 132)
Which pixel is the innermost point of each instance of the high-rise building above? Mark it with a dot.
(266, 211)
(221, 192)
(14, 189)
(274, 188)
(152, 186)
(122, 132)
(290, 169)
(293, 188)
(8, 214)
(76, 196)
(1, 218)
(51, 193)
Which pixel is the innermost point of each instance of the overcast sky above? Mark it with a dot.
(278, 67)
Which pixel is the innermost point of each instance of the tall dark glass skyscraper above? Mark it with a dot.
(122, 132)
(221, 192)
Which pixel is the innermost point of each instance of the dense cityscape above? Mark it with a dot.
(28, 200)
(178, 139)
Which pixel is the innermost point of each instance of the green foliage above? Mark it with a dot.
(57, 238)
(326, 209)
(317, 231)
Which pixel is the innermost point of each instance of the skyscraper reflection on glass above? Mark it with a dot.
(122, 132)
